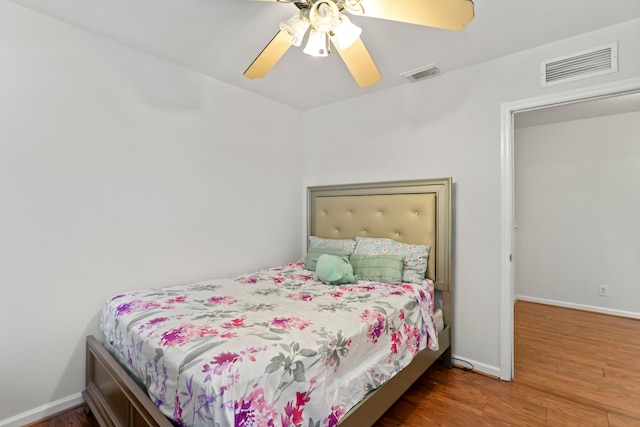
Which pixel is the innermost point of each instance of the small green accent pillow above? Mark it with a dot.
(311, 259)
(378, 268)
(335, 270)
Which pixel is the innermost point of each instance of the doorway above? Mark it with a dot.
(509, 112)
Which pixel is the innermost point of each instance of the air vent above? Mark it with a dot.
(581, 65)
(421, 73)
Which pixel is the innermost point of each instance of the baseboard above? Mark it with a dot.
(43, 411)
(492, 371)
(602, 310)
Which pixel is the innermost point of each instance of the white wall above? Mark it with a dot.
(120, 171)
(577, 186)
(449, 125)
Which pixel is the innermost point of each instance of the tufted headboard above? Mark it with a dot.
(408, 211)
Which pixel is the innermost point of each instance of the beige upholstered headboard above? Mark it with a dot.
(409, 211)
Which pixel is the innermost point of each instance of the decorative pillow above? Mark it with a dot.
(319, 242)
(415, 256)
(311, 259)
(335, 270)
(378, 268)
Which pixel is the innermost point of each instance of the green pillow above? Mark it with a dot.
(378, 268)
(311, 259)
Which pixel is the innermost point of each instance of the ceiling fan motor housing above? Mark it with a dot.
(324, 16)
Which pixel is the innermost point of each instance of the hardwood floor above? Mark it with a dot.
(456, 398)
(590, 358)
(75, 417)
(573, 368)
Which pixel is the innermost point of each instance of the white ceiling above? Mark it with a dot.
(220, 38)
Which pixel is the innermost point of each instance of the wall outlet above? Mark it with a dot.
(603, 290)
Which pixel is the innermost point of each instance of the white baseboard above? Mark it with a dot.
(602, 310)
(43, 411)
(493, 371)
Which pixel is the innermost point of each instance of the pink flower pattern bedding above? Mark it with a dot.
(273, 348)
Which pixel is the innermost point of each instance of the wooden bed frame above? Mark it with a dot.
(409, 211)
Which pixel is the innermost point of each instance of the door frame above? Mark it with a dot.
(507, 113)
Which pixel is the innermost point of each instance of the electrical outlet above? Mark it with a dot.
(603, 290)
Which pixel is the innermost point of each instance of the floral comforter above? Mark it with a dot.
(273, 348)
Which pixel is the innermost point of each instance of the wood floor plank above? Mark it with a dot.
(619, 420)
(518, 410)
(74, 417)
(563, 413)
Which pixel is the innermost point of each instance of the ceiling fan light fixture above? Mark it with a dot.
(297, 27)
(318, 44)
(329, 26)
(346, 33)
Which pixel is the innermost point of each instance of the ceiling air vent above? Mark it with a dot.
(421, 73)
(581, 65)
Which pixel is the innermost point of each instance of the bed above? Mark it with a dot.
(295, 352)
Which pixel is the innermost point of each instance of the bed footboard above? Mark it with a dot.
(112, 396)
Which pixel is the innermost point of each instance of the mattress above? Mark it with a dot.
(438, 319)
(274, 346)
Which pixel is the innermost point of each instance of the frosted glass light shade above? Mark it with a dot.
(318, 44)
(346, 33)
(296, 26)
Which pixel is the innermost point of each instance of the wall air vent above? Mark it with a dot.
(580, 65)
(421, 73)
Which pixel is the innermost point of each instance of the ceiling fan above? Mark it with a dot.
(330, 26)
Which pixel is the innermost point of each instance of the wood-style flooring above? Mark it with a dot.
(75, 417)
(589, 358)
(572, 368)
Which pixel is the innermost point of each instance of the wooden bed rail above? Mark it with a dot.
(112, 396)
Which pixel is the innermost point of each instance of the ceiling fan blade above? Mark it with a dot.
(357, 59)
(269, 56)
(447, 14)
